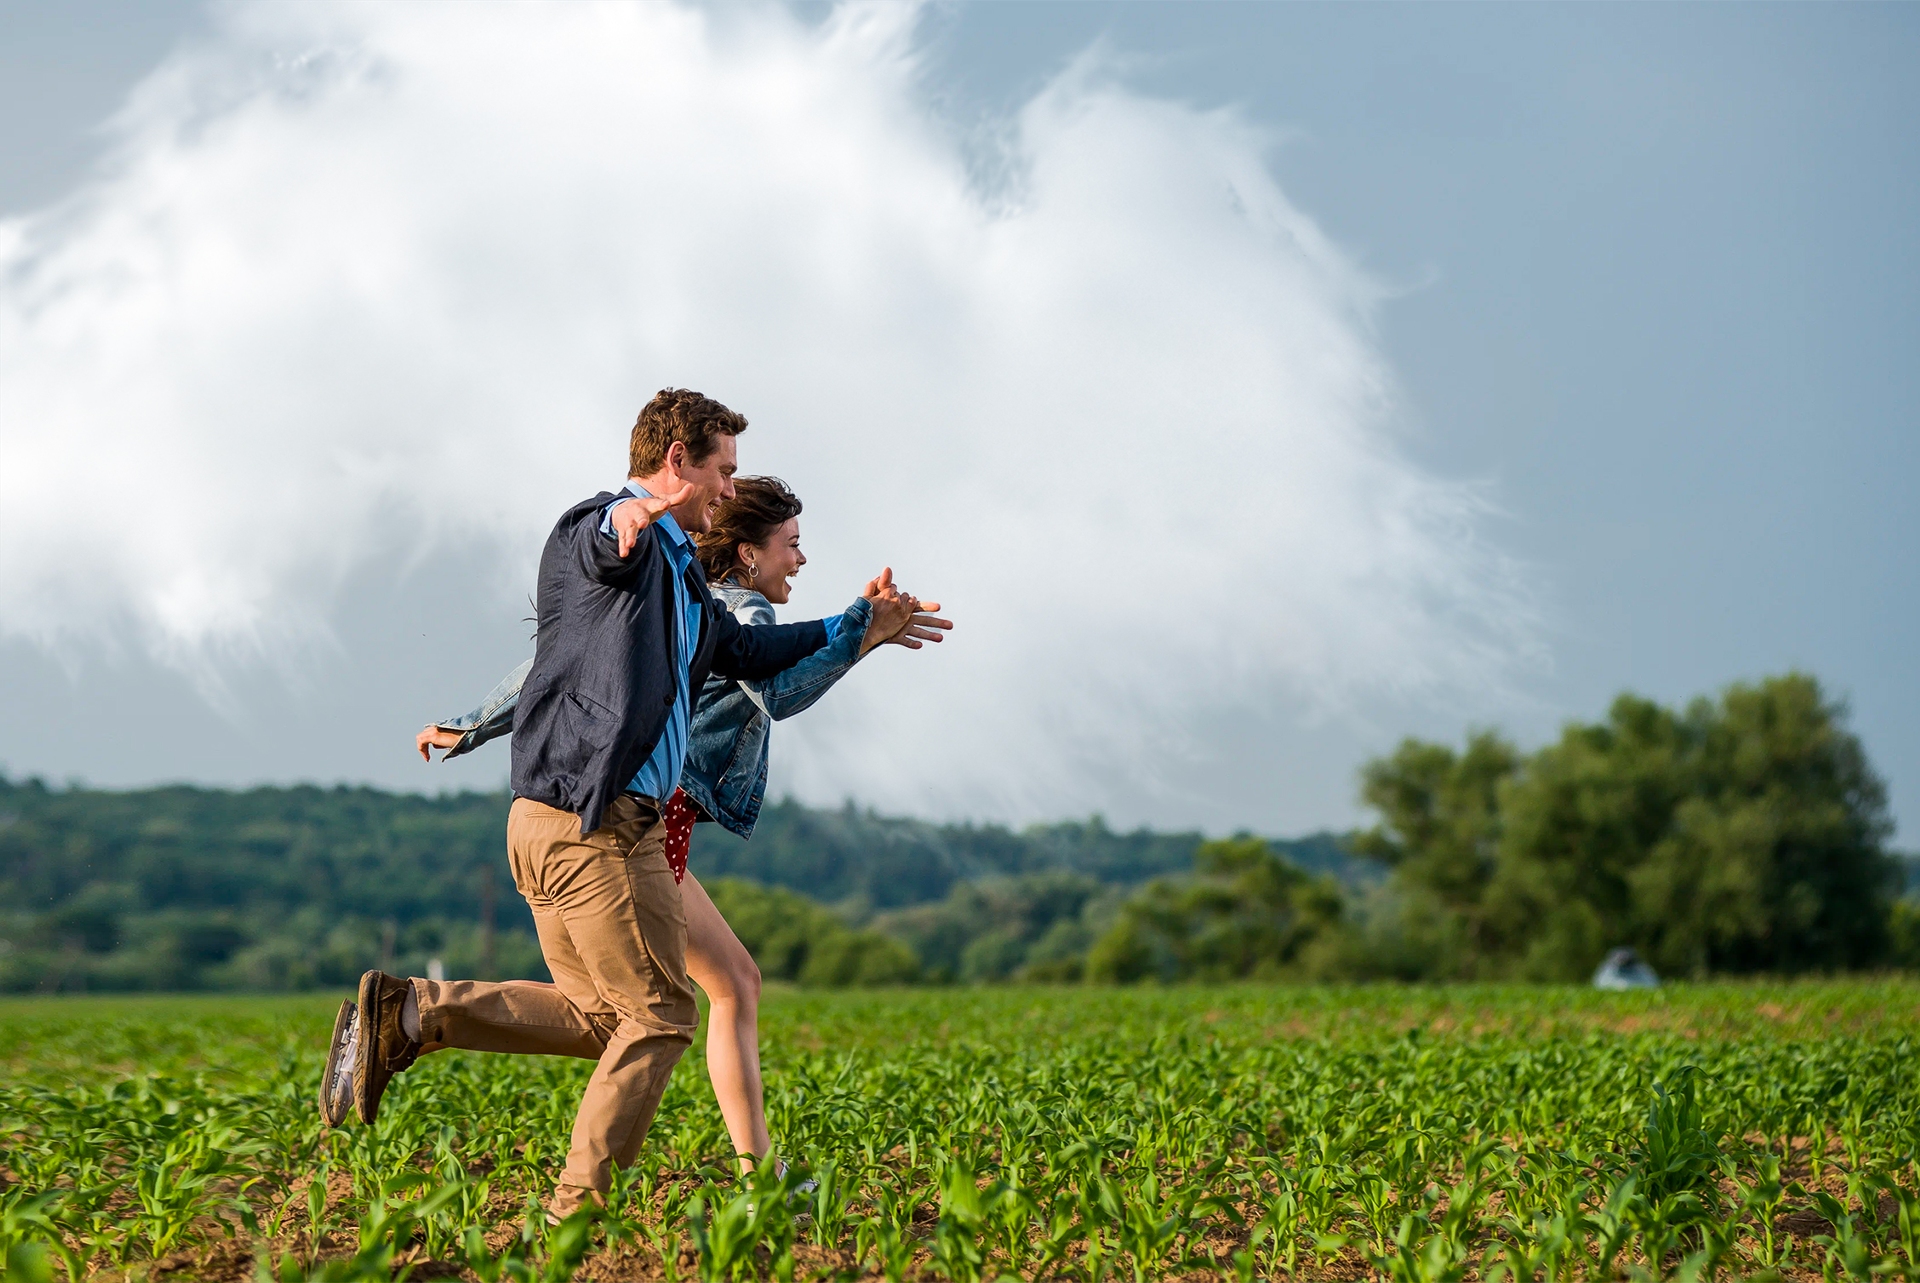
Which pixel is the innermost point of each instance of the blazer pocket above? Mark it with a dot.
(582, 727)
(589, 707)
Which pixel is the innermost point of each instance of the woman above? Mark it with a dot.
(751, 554)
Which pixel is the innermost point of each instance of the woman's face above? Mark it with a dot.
(775, 562)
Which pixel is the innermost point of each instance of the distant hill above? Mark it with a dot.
(185, 887)
(353, 851)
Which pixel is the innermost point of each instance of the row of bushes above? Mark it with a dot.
(100, 941)
(796, 939)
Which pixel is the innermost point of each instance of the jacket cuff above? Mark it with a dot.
(852, 620)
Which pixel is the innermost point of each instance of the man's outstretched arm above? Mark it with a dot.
(756, 651)
(761, 650)
(603, 548)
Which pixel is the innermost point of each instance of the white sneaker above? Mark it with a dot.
(805, 1188)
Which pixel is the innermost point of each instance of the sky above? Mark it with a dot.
(1255, 385)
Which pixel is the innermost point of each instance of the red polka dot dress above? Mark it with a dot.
(679, 817)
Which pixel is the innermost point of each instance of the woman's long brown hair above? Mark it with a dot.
(760, 506)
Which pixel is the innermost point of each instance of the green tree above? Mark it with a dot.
(1578, 820)
(1243, 912)
(1743, 834)
(794, 938)
(996, 928)
(1903, 926)
(1439, 832)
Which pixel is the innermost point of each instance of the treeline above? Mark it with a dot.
(271, 888)
(1743, 834)
(295, 888)
(1739, 835)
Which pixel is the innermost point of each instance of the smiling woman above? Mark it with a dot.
(757, 545)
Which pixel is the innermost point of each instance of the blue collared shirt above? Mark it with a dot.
(660, 775)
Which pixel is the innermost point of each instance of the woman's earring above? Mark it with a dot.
(753, 571)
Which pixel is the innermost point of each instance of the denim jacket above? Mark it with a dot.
(726, 771)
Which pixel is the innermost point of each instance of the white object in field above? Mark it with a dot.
(1623, 969)
(436, 970)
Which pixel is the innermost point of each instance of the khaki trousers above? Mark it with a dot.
(615, 938)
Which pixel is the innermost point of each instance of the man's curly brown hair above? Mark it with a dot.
(676, 414)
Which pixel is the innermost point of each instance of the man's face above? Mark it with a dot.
(711, 479)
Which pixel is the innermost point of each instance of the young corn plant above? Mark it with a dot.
(1761, 1198)
(1418, 1255)
(1151, 1226)
(1676, 1155)
(1849, 1247)
(31, 1239)
(973, 1220)
(732, 1232)
(829, 1207)
(1278, 1224)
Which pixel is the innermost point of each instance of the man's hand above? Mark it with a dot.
(924, 626)
(434, 737)
(899, 618)
(631, 516)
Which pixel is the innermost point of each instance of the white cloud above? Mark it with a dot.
(363, 283)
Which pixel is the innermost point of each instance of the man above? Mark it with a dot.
(627, 631)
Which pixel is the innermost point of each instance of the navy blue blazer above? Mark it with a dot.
(596, 699)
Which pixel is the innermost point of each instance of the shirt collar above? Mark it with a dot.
(665, 522)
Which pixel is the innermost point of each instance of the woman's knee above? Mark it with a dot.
(738, 982)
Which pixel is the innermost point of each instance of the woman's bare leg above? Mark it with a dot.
(721, 965)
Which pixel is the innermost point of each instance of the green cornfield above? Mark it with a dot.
(1694, 1132)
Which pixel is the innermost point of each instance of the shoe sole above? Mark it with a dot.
(344, 1027)
(366, 1036)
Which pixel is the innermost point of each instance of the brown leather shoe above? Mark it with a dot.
(336, 1081)
(380, 1048)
